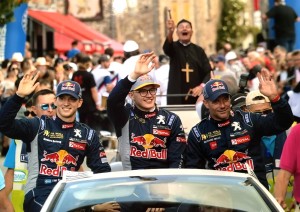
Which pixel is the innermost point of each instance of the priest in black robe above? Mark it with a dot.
(189, 65)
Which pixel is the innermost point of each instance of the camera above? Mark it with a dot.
(253, 71)
(243, 82)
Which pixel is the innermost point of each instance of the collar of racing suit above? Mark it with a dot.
(222, 123)
(145, 115)
(64, 125)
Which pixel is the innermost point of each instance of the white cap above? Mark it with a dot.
(74, 66)
(41, 61)
(17, 56)
(260, 49)
(130, 46)
(230, 56)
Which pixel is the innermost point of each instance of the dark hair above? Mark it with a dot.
(109, 51)
(5, 63)
(25, 64)
(184, 21)
(296, 52)
(9, 68)
(75, 42)
(28, 103)
(129, 54)
(41, 93)
(57, 61)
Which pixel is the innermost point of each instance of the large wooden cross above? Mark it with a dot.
(187, 72)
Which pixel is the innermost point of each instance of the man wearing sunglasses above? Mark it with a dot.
(56, 143)
(149, 137)
(41, 103)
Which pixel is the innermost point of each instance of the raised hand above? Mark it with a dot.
(28, 84)
(142, 65)
(170, 25)
(267, 84)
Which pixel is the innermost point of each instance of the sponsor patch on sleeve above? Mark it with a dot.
(181, 139)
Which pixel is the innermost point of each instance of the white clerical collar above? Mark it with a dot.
(185, 44)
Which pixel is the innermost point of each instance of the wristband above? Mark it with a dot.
(130, 79)
(19, 95)
(276, 99)
(202, 85)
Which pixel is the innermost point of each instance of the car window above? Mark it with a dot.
(179, 193)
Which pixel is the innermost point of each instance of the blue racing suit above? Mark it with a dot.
(229, 144)
(147, 140)
(55, 146)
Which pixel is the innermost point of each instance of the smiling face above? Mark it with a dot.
(147, 102)
(184, 32)
(67, 107)
(219, 109)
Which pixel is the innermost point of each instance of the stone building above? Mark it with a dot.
(144, 20)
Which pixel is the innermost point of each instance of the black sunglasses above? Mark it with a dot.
(264, 112)
(27, 113)
(46, 106)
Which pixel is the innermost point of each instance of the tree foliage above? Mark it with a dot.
(7, 10)
(232, 28)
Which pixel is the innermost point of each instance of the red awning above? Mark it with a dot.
(68, 28)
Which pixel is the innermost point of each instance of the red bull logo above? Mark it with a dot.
(148, 141)
(231, 160)
(61, 158)
(148, 153)
(68, 86)
(216, 86)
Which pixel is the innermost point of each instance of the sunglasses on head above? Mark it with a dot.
(27, 113)
(46, 106)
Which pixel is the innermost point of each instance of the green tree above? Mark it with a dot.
(7, 10)
(232, 28)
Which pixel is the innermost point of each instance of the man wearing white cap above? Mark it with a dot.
(234, 64)
(132, 54)
(148, 137)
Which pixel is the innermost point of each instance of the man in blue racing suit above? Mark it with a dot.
(149, 137)
(230, 140)
(57, 144)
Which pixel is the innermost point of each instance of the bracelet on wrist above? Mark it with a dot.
(276, 99)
